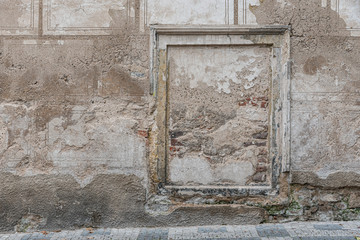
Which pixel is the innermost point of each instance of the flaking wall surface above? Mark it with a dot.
(76, 116)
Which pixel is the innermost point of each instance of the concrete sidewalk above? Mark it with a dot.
(287, 231)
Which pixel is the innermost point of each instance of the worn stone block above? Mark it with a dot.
(354, 201)
(272, 231)
(328, 227)
(330, 197)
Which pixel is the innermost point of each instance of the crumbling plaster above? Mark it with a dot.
(78, 125)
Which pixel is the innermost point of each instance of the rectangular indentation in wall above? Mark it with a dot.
(222, 109)
(219, 115)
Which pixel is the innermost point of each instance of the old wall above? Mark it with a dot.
(211, 122)
(77, 120)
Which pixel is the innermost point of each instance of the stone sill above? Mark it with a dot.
(220, 29)
(214, 190)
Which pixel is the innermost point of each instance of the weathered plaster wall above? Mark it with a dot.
(219, 115)
(325, 89)
(76, 116)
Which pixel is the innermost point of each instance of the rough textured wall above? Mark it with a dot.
(325, 86)
(219, 115)
(75, 114)
(325, 94)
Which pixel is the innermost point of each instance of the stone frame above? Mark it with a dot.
(278, 39)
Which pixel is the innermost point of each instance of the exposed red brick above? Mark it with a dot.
(242, 103)
(254, 104)
(143, 133)
(263, 152)
(264, 104)
(172, 149)
(175, 142)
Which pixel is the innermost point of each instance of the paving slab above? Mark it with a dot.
(285, 231)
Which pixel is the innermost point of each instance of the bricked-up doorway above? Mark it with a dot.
(222, 110)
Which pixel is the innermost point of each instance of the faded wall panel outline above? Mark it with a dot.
(244, 13)
(25, 26)
(242, 16)
(335, 135)
(349, 11)
(80, 87)
(149, 13)
(116, 13)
